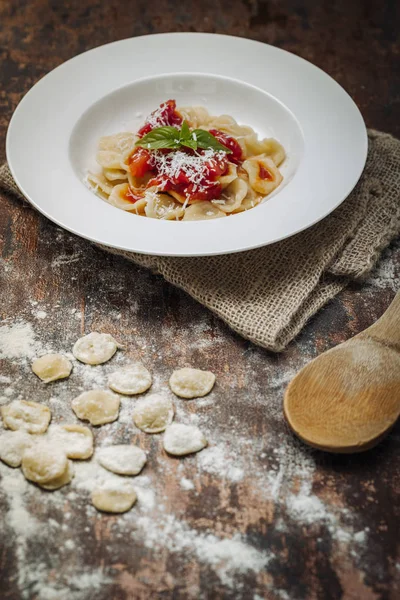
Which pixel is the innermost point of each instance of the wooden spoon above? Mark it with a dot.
(347, 399)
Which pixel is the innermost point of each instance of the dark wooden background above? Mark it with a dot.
(357, 43)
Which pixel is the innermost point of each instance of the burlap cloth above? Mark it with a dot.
(268, 294)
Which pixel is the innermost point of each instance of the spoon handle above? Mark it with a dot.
(387, 328)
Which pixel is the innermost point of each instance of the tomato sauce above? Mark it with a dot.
(207, 186)
(263, 173)
(228, 141)
(165, 114)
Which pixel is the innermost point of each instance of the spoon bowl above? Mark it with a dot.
(347, 399)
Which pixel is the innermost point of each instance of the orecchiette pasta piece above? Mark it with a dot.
(264, 177)
(75, 440)
(122, 459)
(222, 122)
(43, 462)
(180, 197)
(153, 414)
(131, 380)
(250, 201)
(95, 348)
(12, 446)
(51, 367)
(232, 196)
(139, 206)
(58, 482)
(121, 197)
(109, 159)
(96, 406)
(191, 383)
(99, 184)
(269, 146)
(162, 206)
(200, 211)
(182, 439)
(30, 416)
(196, 116)
(114, 498)
(115, 174)
(120, 142)
(230, 176)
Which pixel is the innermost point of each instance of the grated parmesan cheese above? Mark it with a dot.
(194, 166)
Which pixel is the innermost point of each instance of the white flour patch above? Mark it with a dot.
(186, 484)
(18, 341)
(306, 507)
(65, 259)
(15, 486)
(385, 275)
(228, 557)
(70, 587)
(40, 314)
(217, 460)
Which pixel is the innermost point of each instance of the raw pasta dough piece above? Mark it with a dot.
(51, 367)
(134, 379)
(114, 499)
(75, 440)
(264, 176)
(96, 406)
(183, 439)
(31, 416)
(233, 196)
(122, 459)
(191, 383)
(162, 206)
(153, 414)
(95, 348)
(43, 462)
(58, 482)
(201, 211)
(12, 446)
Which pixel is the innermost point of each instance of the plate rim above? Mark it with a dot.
(239, 248)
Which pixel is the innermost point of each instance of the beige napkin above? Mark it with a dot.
(268, 294)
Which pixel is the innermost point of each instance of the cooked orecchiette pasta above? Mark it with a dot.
(187, 165)
(264, 176)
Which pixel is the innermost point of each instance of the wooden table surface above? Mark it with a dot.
(257, 515)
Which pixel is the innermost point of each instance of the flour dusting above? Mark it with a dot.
(228, 557)
(18, 341)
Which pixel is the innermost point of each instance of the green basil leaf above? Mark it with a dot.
(160, 137)
(185, 132)
(206, 140)
(159, 144)
(190, 143)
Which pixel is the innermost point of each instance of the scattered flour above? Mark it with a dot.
(306, 507)
(186, 484)
(18, 341)
(65, 259)
(41, 314)
(228, 557)
(218, 461)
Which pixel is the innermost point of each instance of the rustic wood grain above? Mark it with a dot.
(356, 43)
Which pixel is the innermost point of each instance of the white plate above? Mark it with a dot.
(52, 136)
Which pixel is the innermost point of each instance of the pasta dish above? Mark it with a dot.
(185, 164)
